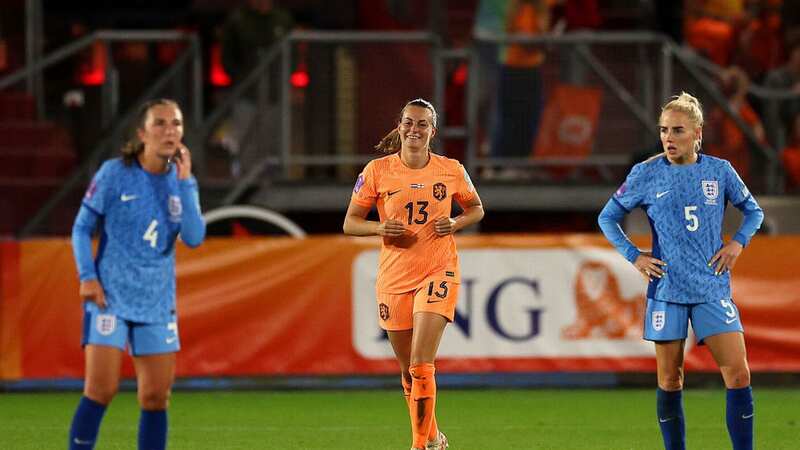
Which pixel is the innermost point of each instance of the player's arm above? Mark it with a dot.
(473, 213)
(356, 223)
(609, 220)
(193, 227)
(82, 229)
(725, 259)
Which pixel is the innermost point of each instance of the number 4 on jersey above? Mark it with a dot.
(151, 235)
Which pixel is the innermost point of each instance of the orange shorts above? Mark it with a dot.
(435, 294)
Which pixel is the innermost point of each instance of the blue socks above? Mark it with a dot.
(85, 424)
(669, 406)
(739, 416)
(153, 430)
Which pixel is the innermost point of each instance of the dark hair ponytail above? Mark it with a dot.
(391, 142)
(134, 146)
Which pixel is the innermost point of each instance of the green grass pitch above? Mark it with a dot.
(619, 419)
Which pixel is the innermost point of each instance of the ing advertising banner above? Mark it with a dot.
(284, 307)
(550, 303)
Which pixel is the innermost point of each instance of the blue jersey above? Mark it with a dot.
(141, 215)
(685, 205)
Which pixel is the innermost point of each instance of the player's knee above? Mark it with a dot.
(154, 399)
(736, 377)
(671, 382)
(100, 393)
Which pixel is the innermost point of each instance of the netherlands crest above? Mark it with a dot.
(710, 191)
(175, 208)
(659, 318)
(439, 191)
(106, 324)
(383, 310)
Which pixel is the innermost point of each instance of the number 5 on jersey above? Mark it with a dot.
(688, 213)
(151, 235)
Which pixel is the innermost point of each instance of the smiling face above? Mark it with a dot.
(416, 127)
(680, 137)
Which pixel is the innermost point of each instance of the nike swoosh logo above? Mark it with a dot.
(80, 442)
(389, 194)
(730, 321)
(665, 420)
(747, 416)
(434, 301)
(127, 198)
(661, 194)
(171, 340)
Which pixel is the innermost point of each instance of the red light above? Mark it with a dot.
(460, 75)
(94, 72)
(217, 75)
(93, 78)
(299, 79)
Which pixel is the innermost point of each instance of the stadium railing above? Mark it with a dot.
(186, 71)
(315, 156)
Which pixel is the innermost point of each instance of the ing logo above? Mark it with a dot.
(601, 311)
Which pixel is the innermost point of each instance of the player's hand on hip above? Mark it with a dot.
(726, 257)
(650, 267)
(391, 228)
(92, 291)
(444, 226)
(183, 162)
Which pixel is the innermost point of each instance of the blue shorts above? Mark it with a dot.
(141, 339)
(664, 321)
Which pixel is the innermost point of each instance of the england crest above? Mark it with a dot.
(659, 317)
(106, 323)
(710, 191)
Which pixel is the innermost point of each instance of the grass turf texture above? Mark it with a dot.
(475, 419)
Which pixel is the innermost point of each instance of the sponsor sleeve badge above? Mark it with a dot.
(91, 190)
(621, 190)
(359, 183)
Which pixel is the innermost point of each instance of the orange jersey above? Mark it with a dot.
(416, 197)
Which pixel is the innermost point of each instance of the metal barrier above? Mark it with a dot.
(169, 84)
(254, 212)
(637, 71)
(270, 140)
(648, 69)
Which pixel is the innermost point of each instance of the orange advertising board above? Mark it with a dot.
(281, 306)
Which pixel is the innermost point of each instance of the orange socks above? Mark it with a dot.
(434, 433)
(422, 402)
